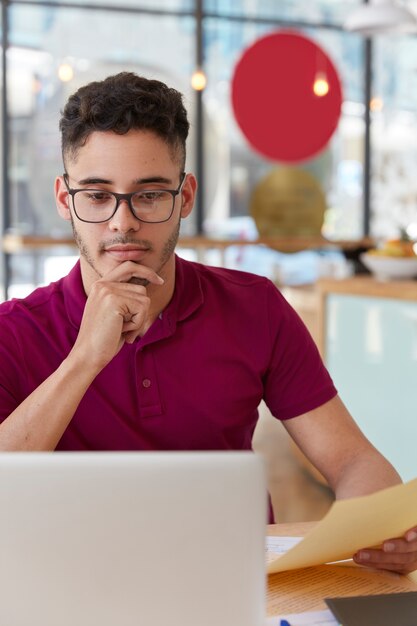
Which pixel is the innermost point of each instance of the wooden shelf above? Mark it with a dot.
(14, 243)
(368, 286)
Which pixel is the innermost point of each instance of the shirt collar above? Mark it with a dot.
(74, 295)
(188, 295)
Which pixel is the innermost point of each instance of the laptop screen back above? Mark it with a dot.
(132, 539)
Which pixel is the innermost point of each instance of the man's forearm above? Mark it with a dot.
(39, 422)
(367, 473)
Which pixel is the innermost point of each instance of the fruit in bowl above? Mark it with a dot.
(393, 259)
(389, 267)
(395, 248)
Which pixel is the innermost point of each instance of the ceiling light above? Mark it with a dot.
(376, 104)
(198, 80)
(321, 85)
(381, 17)
(65, 72)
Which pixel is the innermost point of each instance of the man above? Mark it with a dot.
(137, 349)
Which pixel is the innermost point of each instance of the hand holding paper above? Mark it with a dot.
(397, 554)
(354, 524)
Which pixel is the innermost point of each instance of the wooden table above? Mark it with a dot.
(305, 589)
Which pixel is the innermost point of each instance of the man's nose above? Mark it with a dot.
(124, 220)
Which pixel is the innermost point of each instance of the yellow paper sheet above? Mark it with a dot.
(354, 524)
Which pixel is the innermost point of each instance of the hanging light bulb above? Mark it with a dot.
(376, 104)
(321, 85)
(198, 80)
(65, 72)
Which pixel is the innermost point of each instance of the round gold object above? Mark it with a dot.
(288, 202)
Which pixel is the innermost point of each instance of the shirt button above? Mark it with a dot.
(146, 383)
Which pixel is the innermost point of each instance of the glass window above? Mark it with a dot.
(2, 277)
(53, 52)
(319, 11)
(236, 169)
(394, 137)
(54, 49)
(118, 5)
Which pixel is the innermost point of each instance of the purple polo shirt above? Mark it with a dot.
(226, 341)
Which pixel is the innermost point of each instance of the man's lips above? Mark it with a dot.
(126, 252)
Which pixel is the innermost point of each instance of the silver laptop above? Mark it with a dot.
(132, 539)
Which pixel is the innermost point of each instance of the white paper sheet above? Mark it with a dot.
(280, 545)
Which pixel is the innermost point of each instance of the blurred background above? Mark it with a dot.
(50, 48)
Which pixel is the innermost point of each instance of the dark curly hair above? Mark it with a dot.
(120, 103)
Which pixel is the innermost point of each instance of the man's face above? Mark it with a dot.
(126, 163)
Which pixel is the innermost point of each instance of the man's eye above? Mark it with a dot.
(150, 196)
(97, 196)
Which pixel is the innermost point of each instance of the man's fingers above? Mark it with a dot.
(129, 270)
(117, 310)
(411, 535)
(130, 337)
(132, 321)
(402, 559)
(401, 546)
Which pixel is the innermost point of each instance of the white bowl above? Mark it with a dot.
(390, 267)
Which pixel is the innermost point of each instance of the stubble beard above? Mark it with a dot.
(167, 250)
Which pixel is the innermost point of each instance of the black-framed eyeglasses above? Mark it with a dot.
(147, 205)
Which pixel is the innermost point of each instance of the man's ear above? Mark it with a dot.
(188, 192)
(62, 198)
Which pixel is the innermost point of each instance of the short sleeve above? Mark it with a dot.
(11, 370)
(297, 380)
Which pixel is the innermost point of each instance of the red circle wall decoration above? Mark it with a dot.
(274, 99)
